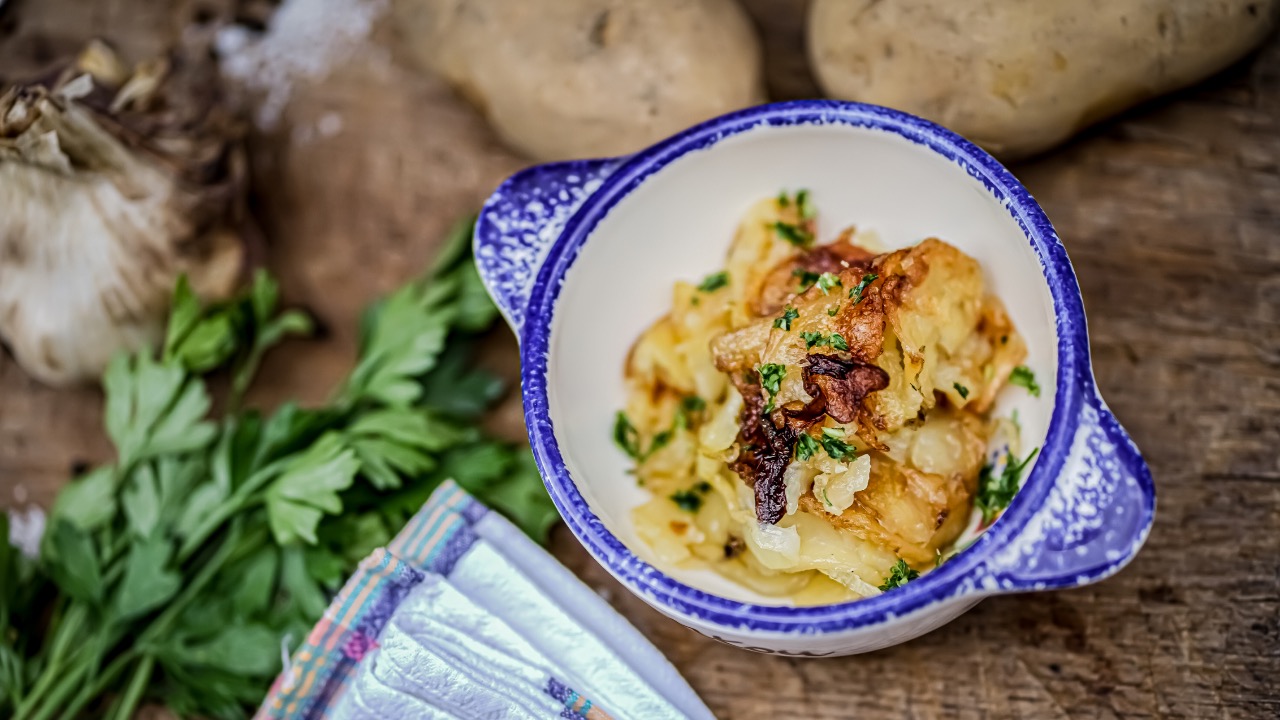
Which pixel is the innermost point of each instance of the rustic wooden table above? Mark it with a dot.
(1171, 215)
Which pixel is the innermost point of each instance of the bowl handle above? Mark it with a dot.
(1095, 518)
(522, 220)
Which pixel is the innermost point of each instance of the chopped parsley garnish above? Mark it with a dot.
(807, 211)
(1023, 376)
(827, 281)
(900, 574)
(771, 375)
(826, 500)
(784, 200)
(793, 234)
(834, 340)
(788, 315)
(714, 282)
(835, 446)
(995, 492)
(806, 278)
(806, 446)
(964, 391)
(831, 311)
(626, 436)
(689, 405)
(660, 441)
(687, 500)
(856, 293)
(691, 500)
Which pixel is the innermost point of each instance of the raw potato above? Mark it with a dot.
(1020, 77)
(562, 79)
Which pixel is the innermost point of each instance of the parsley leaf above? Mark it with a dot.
(833, 442)
(964, 391)
(714, 282)
(1023, 376)
(691, 500)
(307, 488)
(806, 278)
(828, 281)
(995, 492)
(856, 293)
(794, 234)
(833, 310)
(154, 408)
(806, 446)
(900, 574)
(784, 322)
(771, 375)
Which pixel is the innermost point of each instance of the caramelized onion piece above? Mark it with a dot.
(843, 384)
(766, 452)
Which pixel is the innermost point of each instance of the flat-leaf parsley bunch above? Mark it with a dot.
(179, 573)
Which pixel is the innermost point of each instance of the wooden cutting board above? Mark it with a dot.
(1171, 215)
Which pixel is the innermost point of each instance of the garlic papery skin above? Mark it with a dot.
(97, 224)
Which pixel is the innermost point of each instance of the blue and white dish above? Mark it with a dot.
(580, 257)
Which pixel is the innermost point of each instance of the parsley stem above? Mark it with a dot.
(229, 507)
(98, 684)
(64, 640)
(127, 703)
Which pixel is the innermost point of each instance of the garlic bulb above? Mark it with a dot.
(112, 183)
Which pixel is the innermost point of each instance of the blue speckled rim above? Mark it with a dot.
(1074, 380)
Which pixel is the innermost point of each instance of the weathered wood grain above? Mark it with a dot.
(1171, 215)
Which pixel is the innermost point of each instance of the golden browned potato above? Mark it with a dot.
(563, 79)
(819, 415)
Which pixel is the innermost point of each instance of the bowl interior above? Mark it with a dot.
(678, 224)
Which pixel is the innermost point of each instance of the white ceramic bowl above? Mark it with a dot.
(581, 257)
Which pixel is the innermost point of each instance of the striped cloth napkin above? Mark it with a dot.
(462, 616)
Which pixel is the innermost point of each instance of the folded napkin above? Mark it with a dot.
(462, 616)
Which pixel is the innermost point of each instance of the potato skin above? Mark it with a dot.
(562, 79)
(1018, 77)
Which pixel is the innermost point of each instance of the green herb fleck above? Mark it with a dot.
(995, 492)
(835, 446)
(806, 278)
(771, 375)
(714, 282)
(826, 500)
(784, 200)
(834, 340)
(1022, 375)
(832, 311)
(626, 436)
(687, 500)
(806, 446)
(788, 315)
(690, 406)
(900, 574)
(807, 210)
(964, 391)
(691, 500)
(827, 281)
(856, 293)
(793, 234)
